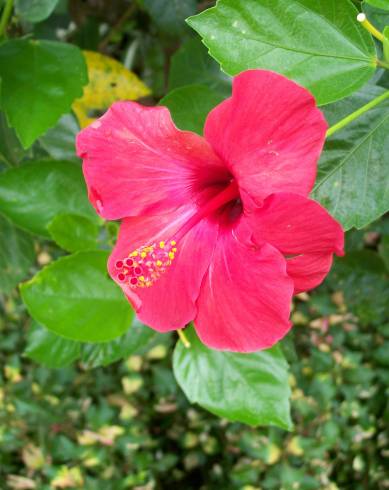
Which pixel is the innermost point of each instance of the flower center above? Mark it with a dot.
(145, 265)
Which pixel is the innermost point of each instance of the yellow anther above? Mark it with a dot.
(134, 254)
(159, 263)
(171, 255)
(161, 244)
(173, 242)
(141, 278)
(174, 249)
(143, 255)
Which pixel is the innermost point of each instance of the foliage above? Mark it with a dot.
(69, 419)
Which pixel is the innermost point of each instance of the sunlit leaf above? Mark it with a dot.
(40, 80)
(249, 388)
(75, 298)
(73, 232)
(31, 195)
(318, 44)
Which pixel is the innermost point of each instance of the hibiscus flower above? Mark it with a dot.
(218, 230)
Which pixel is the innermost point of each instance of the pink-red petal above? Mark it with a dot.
(244, 303)
(170, 303)
(299, 226)
(296, 225)
(270, 133)
(308, 271)
(137, 162)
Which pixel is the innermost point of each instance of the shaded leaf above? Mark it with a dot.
(75, 298)
(49, 349)
(41, 77)
(362, 276)
(11, 151)
(382, 4)
(33, 194)
(59, 141)
(283, 36)
(249, 388)
(191, 64)
(16, 255)
(352, 177)
(170, 15)
(35, 10)
(190, 105)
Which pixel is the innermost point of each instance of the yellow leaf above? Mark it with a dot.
(33, 457)
(109, 81)
(68, 478)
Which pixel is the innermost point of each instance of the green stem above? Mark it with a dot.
(5, 17)
(347, 120)
(383, 64)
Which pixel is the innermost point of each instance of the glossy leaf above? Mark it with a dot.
(318, 44)
(49, 349)
(40, 80)
(75, 298)
(169, 15)
(73, 232)
(33, 194)
(190, 105)
(382, 4)
(191, 64)
(59, 141)
(16, 255)
(35, 10)
(248, 388)
(352, 176)
(109, 81)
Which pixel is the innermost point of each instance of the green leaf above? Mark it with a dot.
(40, 80)
(54, 351)
(318, 44)
(381, 4)
(59, 142)
(104, 353)
(73, 232)
(16, 255)
(170, 15)
(49, 349)
(11, 151)
(191, 64)
(75, 298)
(362, 277)
(190, 105)
(35, 10)
(31, 195)
(248, 388)
(352, 175)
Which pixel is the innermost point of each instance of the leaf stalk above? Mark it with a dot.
(350, 118)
